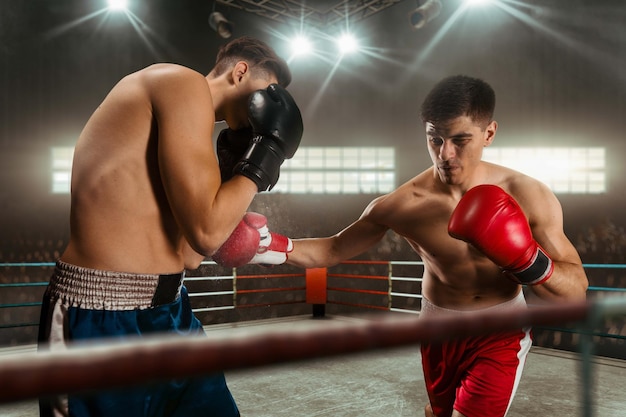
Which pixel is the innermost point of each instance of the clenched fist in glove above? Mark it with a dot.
(252, 243)
(277, 125)
(231, 146)
(493, 222)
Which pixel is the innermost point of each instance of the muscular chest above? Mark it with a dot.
(424, 224)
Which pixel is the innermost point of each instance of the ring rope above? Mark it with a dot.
(97, 367)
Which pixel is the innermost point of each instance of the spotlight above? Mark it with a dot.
(117, 5)
(301, 45)
(425, 12)
(347, 44)
(477, 2)
(221, 25)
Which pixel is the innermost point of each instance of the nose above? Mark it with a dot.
(447, 151)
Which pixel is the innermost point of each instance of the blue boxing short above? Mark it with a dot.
(82, 304)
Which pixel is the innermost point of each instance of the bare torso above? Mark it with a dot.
(456, 275)
(147, 195)
(120, 217)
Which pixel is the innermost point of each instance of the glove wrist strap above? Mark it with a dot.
(261, 163)
(539, 270)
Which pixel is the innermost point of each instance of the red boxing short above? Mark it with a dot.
(477, 376)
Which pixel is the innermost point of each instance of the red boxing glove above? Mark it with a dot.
(492, 221)
(252, 243)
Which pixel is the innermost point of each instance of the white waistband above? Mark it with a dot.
(107, 290)
(429, 308)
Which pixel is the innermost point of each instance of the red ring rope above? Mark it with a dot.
(166, 357)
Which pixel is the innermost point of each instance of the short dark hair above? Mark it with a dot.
(459, 95)
(258, 54)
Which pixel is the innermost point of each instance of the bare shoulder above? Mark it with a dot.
(524, 187)
(160, 78)
(156, 80)
(162, 83)
(406, 197)
(173, 90)
(167, 72)
(535, 197)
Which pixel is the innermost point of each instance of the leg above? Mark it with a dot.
(428, 412)
(489, 385)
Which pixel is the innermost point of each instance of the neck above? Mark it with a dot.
(217, 96)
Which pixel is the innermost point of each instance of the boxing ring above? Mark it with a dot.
(376, 286)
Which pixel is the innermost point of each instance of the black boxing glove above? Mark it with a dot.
(231, 146)
(277, 125)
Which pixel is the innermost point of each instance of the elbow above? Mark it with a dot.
(584, 286)
(207, 243)
(578, 292)
(581, 286)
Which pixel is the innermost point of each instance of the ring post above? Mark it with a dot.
(316, 280)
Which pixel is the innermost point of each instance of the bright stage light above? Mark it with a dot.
(117, 4)
(347, 44)
(301, 45)
(477, 2)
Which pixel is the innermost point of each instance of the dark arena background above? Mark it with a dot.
(558, 68)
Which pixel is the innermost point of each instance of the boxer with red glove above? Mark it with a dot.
(493, 222)
(252, 243)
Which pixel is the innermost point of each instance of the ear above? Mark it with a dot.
(490, 133)
(239, 71)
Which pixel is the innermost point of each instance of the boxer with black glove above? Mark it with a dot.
(277, 125)
(231, 146)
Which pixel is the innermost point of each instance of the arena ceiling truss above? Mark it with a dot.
(320, 13)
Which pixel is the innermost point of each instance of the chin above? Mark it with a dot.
(450, 180)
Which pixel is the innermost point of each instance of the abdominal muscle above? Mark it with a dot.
(461, 278)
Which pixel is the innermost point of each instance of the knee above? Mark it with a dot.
(428, 411)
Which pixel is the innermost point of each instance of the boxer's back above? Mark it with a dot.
(120, 218)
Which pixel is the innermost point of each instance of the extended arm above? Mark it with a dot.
(252, 243)
(350, 242)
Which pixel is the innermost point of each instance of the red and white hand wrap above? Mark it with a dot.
(252, 243)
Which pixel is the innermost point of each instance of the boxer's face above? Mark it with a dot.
(456, 147)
